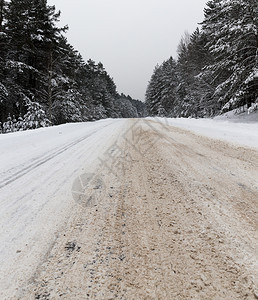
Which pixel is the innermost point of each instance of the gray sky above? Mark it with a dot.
(129, 36)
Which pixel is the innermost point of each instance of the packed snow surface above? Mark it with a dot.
(38, 168)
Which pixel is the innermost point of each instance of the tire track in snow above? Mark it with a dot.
(43, 159)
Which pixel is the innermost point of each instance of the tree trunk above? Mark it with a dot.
(50, 77)
(1, 14)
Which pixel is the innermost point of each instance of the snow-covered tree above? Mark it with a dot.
(37, 62)
(125, 108)
(70, 108)
(232, 28)
(217, 66)
(193, 91)
(19, 125)
(32, 37)
(8, 125)
(161, 90)
(153, 92)
(14, 121)
(35, 116)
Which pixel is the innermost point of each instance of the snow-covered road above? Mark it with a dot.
(38, 169)
(175, 218)
(36, 176)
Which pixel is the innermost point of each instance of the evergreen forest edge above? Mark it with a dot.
(44, 80)
(217, 66)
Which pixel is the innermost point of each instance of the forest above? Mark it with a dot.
(44, 80)
(217, 65)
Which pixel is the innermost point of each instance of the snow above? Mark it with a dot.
(240, 129)
(241, 116)
(38, 168)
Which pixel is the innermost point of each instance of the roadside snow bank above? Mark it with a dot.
(242, 132)
(239, 117)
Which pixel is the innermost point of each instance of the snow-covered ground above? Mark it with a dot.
(37, 171)
(239, 116)
(240, 129)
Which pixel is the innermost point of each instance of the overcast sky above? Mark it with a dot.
(129, 36)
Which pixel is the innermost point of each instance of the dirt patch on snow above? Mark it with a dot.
(169, 215)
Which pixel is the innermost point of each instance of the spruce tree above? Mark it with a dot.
(161, 91)
(194, 92)
(153, 92)
(35, 116)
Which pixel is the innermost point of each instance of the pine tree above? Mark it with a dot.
(3, 5)
(37, 62)
(33, 37)
(3, 51)
(66, 74)
(232, 30)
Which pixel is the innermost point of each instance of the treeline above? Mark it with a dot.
(217, 65)
(43, 79)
